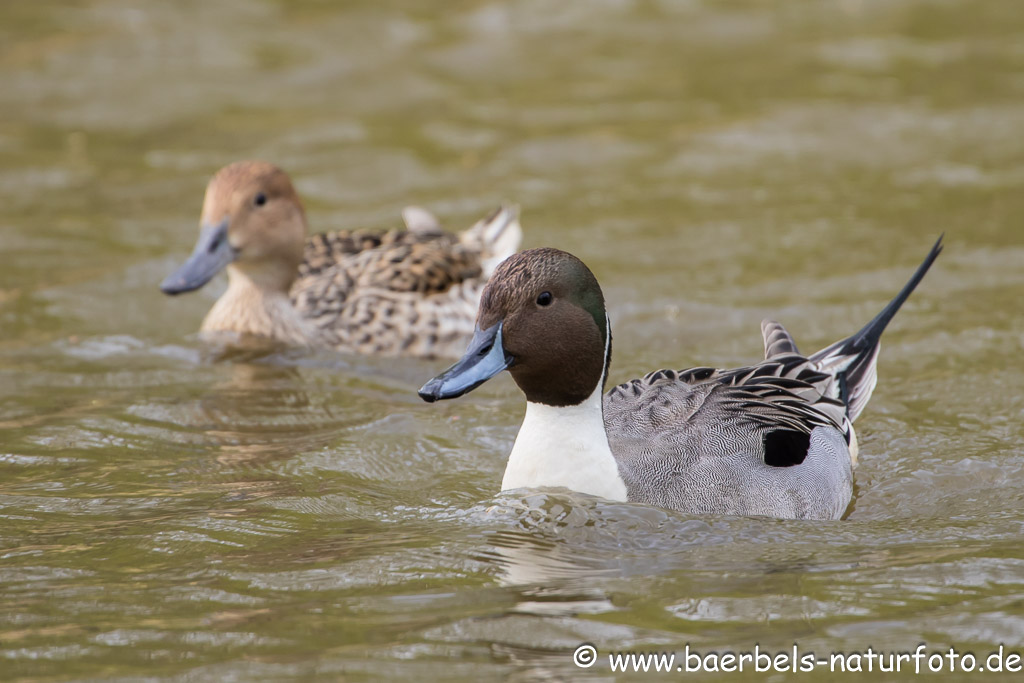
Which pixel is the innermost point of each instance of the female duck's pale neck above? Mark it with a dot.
(542, 317)
(250, 306)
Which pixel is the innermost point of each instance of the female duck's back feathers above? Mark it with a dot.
(411, 292)
(399, 292)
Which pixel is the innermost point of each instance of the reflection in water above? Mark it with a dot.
(549, 535)
(243, 413)
(556, 545)
(549, 574)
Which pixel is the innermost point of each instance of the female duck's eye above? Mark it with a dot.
(544, 299)
(260, 199)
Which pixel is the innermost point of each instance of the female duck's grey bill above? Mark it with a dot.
(484, 359)
(211, 255)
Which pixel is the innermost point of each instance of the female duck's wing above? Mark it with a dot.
(323, 251)
(410, 292)
(433, 262)
(422, 259)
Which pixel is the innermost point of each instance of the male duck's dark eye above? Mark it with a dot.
(544, 299)
(260, 199)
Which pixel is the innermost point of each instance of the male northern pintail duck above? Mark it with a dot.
(410, 292)
(775, 438)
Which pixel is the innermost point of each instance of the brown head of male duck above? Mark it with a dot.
(774, 438)
(411, 292)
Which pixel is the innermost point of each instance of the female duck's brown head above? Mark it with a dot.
(542, 317)
(253, 220)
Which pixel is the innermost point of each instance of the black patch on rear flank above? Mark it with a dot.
(785, 447)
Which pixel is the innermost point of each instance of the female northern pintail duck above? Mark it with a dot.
(775, 438)
(412, 292)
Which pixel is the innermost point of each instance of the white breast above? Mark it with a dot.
(565, 446)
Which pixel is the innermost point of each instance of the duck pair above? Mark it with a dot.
(775, 438)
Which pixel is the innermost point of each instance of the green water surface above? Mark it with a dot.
(305, 515)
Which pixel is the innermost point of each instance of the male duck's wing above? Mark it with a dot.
(777, 341)
(774, 438)
(785, 392)
(762, 440)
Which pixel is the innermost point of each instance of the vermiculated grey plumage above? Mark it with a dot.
(695, 442)
(769, 439)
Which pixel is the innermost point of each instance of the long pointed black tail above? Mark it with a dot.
(853, 360)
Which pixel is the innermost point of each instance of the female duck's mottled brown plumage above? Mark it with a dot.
(411, 292)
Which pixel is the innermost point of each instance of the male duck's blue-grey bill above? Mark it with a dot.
(484, 358)
(212, 253)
